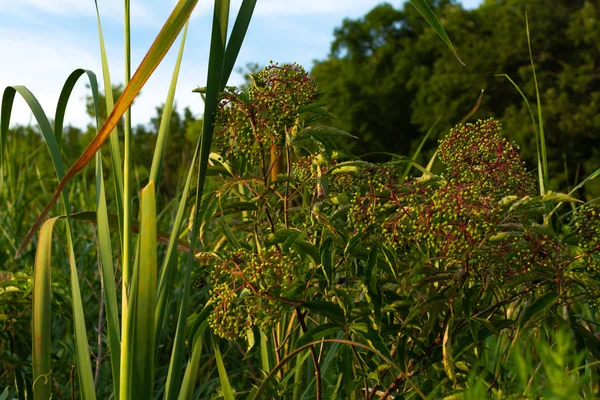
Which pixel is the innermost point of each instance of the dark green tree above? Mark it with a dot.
(389, 77)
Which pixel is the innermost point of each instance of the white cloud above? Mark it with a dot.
(291, 7)
(43, 65)
(141, 12)
(311, 7)
(43, 69)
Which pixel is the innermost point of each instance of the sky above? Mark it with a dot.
(43, 41)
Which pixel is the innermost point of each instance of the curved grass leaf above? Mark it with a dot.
(137, 365)
(258, 393)
(165, 119)
(317, 332)
(155, 54)
(42, 319)
(537, 308)
(217, 73)
(223, 378)
(81, 345)
(108, 277)
(115, 151)
(191, 371)
(425, 11)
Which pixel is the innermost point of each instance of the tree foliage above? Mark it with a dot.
(389, 77)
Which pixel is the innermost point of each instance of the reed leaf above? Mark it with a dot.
(155, 54)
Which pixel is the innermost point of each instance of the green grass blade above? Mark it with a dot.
(126, 237)
(113, 223)
(138, 346)
(155, 54)
(214, 87)
(41, 119)
(104, 244)
(223, 378)
(191, 371)
(65, 95)
(240, 27)
(115, 151)
(163, 130)
(273, 373)
(42, 320)
(84, 367)
(264, 352)
(541, 179)
(82, 349)
(167, 270)
(418, 151)
(425, 11)
(581, 184)
(108, 277)
(539, 109)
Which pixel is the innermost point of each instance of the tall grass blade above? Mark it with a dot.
(473, 110)
(167, 270)
(81, 345)
(163, 130)
(191, 371)
(240, 27)
(65, 95)
(537, 135)
(223, 378)
(138, 346)
(42, 319)
(425, 11)
(126, 237)
(539, 109)
(155, 54)
(418, 151)
(108, 277)
(115, 150)
(215, 85)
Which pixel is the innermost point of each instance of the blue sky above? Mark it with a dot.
(43, 41)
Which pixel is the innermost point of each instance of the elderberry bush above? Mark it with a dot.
(302, 230)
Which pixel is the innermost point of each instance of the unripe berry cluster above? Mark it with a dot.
(586, 225)
(249, 124)
(478, 154)
(244, 288)
(452, 217)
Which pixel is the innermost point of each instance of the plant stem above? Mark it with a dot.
(313, 354)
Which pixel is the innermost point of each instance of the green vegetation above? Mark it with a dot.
(389, 78)
(276, 264)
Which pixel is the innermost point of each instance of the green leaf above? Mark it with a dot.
(321, 133)
(425, 11)
(448, 359)
(223, 377)
(155, 54)
(139, 341)
(108, 277)
(538, 307)
(191, 371)
(326, 259)
(327, 309)
(165, 118)
(372, 337)
(308, 249)
(41, 319)
(554, 197)
(280, 236)
(317, 333)
(240, 27)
